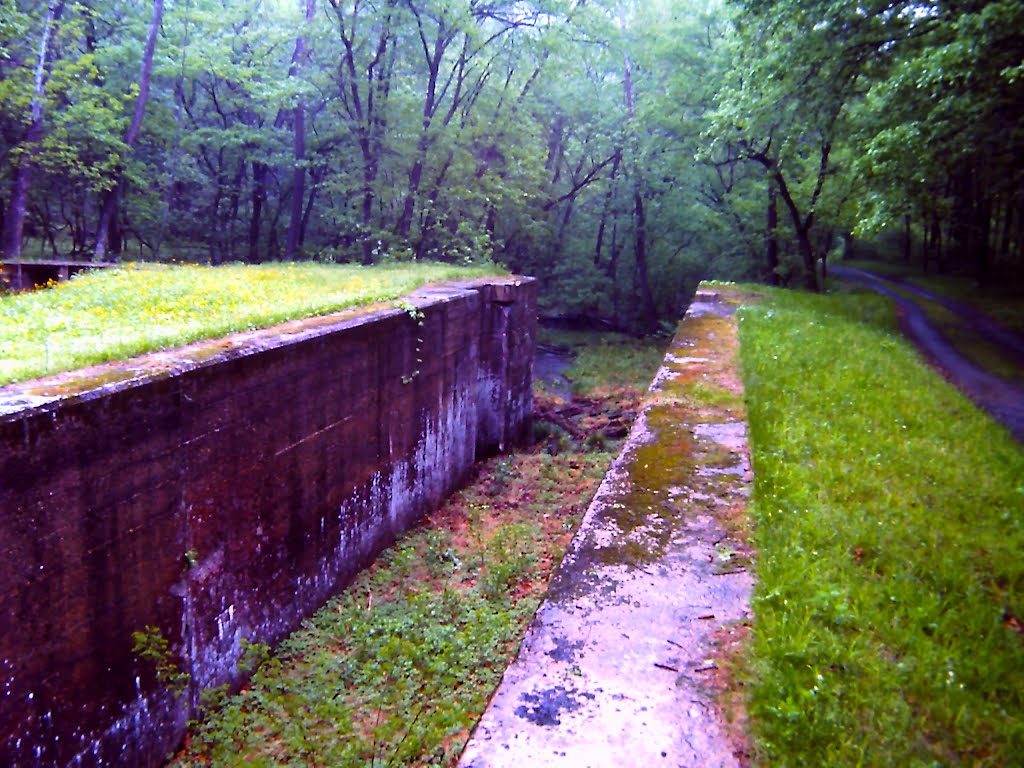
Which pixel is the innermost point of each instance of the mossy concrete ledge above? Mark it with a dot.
(216, 495)
(622, 665)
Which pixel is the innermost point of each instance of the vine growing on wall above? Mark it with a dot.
(417, 316)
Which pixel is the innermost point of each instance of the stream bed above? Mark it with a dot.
(549, 366)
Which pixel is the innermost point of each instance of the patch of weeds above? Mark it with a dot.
(709, 395)
(504, 470)
(439, 556)
(615, 364)
(511, 553)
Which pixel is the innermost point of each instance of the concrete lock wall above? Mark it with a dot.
(224, 499)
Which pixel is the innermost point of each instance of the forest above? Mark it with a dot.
(620, 150)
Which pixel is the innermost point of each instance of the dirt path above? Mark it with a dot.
(1001, 399)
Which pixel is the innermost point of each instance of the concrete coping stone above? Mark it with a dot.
(621, 662)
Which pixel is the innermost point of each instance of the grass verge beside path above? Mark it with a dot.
(397, 669)
(890, 531)
(114, 314)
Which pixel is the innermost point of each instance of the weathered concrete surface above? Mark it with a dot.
(222, 492)
(617, 667)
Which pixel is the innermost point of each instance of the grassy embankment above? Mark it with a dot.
(397, 669)
(890, 529)
(114, 314)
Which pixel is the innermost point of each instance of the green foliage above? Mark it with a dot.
(152, 647)
(874, 118)
(618, 362)
(952, 98)
(509, 558)
(500, 143)
(116, 313)
(889, 527)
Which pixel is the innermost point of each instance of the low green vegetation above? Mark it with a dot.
(116, 313)
(605, 362)
(1003, 305)
(397, 669)
(890, 525)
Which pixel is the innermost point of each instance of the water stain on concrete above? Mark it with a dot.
(543, 708)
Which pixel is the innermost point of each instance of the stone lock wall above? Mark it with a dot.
(223, 496)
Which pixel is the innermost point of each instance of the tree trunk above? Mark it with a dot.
(907, 239)
(982, 247)
(412, 189)
(606, 209)
(14, 223)
(298, 184)
(299, 172)
(1005, 239)
(259, 197)
(214, 236)
(805, 249)
(802, 224)
(367, 114)
(316, 177)
(234, 203)
(613, 267)
(433, 58)
(772, 245)
(14, 216)
(145, 76)
(936, 243)
(648, 312)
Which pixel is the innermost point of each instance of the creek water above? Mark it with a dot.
(549, 366)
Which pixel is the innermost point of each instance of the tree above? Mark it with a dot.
(14, 218)
(110, 201)
(942, 135)
(798, 69)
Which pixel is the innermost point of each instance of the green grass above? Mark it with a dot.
(117, 313)
(617, 362)
(889, 518)
(1004, 304)
(970, 343)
